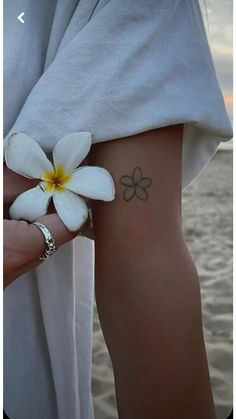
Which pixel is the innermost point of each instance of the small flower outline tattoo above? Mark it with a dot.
(136, 184)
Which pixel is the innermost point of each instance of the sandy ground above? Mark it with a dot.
(207, 219)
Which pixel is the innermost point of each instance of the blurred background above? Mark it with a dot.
(207, 221)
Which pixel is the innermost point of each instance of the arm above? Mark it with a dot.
(147, 288)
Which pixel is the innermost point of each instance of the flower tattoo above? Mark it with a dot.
(135, 185)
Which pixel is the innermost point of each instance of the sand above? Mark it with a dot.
(207, 221)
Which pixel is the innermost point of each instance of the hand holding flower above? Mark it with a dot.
(24, 243)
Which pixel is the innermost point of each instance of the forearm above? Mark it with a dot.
(150, 312)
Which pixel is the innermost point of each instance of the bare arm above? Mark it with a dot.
(147, 288)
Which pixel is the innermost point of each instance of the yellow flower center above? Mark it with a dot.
(55, 179)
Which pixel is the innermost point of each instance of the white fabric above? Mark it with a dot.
(113, 68)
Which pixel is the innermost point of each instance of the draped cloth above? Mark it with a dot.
(115, 68)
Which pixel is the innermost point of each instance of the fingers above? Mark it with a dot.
(59, 232)
(57, 229)
(24, 244)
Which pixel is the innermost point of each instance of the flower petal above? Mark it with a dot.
(145, 182)
(93, 182)
(137, 174)
(30, 205)
(141, 193)
(129, 193)
(71, 209)
(25, 156)
(127, 180)
(71, 150)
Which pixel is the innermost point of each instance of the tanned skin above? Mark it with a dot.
(147, 287)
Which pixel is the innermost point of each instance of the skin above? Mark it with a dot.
(24, 242)
(147, 288)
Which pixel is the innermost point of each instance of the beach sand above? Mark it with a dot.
(207, 221)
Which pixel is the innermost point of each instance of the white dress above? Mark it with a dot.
(114, 68)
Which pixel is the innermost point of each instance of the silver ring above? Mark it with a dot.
(50, 246)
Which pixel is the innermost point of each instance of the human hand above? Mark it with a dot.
(24, 243)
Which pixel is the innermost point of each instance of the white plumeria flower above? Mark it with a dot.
(62, 181)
